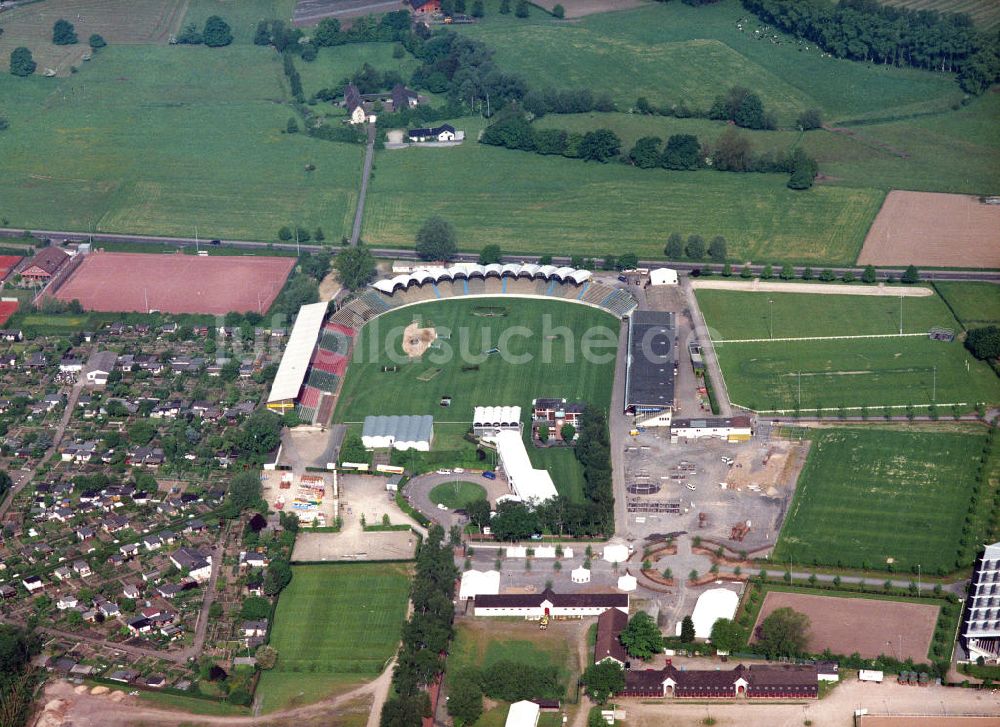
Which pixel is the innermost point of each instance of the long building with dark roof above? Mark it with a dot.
(650, 367)
(549, 603)
(760, 681)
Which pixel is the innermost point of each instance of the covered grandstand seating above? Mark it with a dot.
(472, 271)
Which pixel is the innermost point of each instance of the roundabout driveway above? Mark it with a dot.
(418, 491)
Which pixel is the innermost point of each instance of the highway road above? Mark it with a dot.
(406, 254)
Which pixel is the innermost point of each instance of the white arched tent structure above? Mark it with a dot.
(468, 271)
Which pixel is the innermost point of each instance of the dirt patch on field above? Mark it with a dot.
(928, 228)
(779, 467)
(416, 340)
(581, 8)
(867, 626)
(760, 286)
(936, 720)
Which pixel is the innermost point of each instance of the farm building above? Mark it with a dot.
(445, 132)
(355, 105)
(712, 605)
(528, 483)
(650, 368)
(398, 432)
(756, 682)
(491, 420)
(663, 276)
(608, 646)
(522, 714)
(981, 621)
(403, 98)
(549, 603)
(45, 264)
(295, 361)
(735, 429)
(479, 583)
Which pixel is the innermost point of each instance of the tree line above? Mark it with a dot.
(17, 677)
(869, 31)
(425, 635)
(510, 681)
(512, 130)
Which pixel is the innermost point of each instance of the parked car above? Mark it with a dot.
(489, 475)
(458, 470)
(442, 506)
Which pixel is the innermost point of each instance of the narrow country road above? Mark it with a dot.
(201, 628)
(366, 173)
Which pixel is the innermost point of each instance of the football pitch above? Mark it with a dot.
(335, 625)
(830, 374)
(870, 497)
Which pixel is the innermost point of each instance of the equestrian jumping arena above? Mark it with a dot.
(934, 230)
(864, 625)
(176, 283)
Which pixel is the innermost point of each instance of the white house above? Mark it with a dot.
(445, 132)
(734, 429)
(100, 366)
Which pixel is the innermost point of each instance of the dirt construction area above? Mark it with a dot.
(867, 626)
(176, 283)
(933, 229)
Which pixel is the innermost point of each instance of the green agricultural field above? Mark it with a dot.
(737, 315)
(867, 496)
(829, 374)
(536, 204)
(327, 639)
(367, 390)
(985, 13)
(157, 139)
(975, 304)
(333, 65)
(671, 52)
(457, 494)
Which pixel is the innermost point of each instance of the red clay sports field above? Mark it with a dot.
(176, 283)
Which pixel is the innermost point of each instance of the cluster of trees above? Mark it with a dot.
(682, 151)
(215, 34)
(17, 678)
(5, 484)
(513, 131)
(866, 30)
(436, 240)
(355, 267)
(784, 633)
(509, 681)
(566, 101)
(641, 637)
(984, 343)
(603, 680)
(299, 233)
(593, 450)
(63, 33)
(21, 62)
(463, 69)
(694, 248)
(744, 108)
(425, 635)
(294, 79)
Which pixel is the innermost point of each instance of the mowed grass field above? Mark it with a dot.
(156, 139)
(828, 374)
(242, 15)
(368, 390)
(738, 315)
(335, 625)
(671, 52)
(867, 495)
(535, 204)
(975, 304)
(457, 494)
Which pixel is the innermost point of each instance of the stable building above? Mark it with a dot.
(526, 482)
(733, 429)
(980, 631)
(548, 603)
(608, 646)
(398, 432)
(650, 368)
(784, 681)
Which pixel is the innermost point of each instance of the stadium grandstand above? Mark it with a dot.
(650, 368)
(470, 279)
